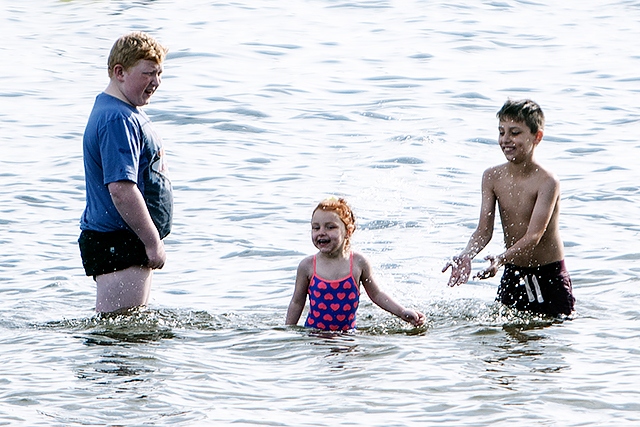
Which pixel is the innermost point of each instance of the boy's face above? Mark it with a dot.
(516, 140)
(139, 82)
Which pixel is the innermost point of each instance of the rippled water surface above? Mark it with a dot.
(266, 108)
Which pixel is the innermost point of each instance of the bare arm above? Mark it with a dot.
(461, 263)
(383, 300)
(546, 201)
(299, 298)
(130, 204)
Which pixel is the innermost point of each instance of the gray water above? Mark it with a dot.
(266, 108)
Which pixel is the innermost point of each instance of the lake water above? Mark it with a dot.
(266, 108)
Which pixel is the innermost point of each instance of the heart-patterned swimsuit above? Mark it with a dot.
(333, 303)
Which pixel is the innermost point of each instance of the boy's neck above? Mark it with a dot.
(523, 167)
(113, 90)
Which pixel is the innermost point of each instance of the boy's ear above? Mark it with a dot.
(118, 71)
(539, 136)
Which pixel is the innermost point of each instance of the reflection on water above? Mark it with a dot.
(120, 365)
(138, 325)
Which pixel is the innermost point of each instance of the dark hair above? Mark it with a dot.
(523, 110)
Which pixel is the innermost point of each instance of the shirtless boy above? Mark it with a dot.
(535, 278)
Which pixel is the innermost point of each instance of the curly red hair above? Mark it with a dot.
(344, 212)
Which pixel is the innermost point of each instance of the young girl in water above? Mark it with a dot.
(333, 276)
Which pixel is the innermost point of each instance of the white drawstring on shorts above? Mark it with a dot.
(536, 286)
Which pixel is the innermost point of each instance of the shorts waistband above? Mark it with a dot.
(550, 268)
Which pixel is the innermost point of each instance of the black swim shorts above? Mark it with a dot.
(545, 290)
(112, 251)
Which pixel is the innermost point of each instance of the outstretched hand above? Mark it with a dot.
(460, 270)
(490, 271)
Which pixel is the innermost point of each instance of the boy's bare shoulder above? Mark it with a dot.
(547, 173)
(503, 170)
(495, 171)
(549, 182)
(545, 179)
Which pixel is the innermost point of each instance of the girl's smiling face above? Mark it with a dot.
(328, 232)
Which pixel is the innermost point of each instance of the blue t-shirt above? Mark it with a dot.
(120, 145)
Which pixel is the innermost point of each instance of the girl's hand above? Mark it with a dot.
(414, 317)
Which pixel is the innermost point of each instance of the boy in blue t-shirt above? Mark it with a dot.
(129, 196)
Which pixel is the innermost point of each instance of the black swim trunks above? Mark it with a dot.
(108, 252)
(544, 290)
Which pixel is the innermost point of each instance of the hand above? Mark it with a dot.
(492, 270)
(414, 317)
(156, 256)
(460, 270)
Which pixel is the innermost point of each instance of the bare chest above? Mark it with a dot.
(515, 201)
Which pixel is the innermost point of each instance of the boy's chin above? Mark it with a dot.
(512, 158)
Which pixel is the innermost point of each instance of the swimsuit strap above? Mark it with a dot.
(314, 265)
(350, 265)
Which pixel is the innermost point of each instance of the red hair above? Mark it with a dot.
(132, 47)
(344, 212)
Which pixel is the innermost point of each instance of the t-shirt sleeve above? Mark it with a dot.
(120, 150)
